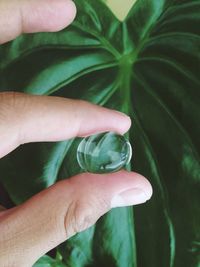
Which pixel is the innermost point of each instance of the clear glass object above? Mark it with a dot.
(104, 153)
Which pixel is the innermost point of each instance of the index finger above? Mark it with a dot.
(27, 118)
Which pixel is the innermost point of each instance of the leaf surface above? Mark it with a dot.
(148, 67)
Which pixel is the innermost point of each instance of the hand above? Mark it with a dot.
(70, 206)
(30, 230)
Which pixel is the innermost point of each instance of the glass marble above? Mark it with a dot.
(104, 153)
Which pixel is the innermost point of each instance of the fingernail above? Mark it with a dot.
(130, 197)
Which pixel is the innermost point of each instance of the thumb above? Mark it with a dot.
(68, 207)
(27, 16)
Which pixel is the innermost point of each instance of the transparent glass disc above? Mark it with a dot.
(104, 153)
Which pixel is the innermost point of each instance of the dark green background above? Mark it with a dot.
(147, 67)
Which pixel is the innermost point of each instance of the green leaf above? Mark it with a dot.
(148, 67)
(47, 261)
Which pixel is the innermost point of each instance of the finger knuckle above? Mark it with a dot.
(11, 102)
(78, 218)
(12, 110)
(10, 97)
(83, 214)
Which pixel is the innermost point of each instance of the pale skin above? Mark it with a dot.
(31, 229)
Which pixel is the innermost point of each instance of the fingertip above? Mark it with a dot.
(125, 124)
(48, 15)
(125, 181)
(139, 181)
(71, 9)
(121, 122)
(145, 184)
(65, 15)
(94, 119)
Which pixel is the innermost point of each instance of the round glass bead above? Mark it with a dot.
(104, 153)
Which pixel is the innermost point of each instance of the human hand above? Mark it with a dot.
(70, 206)
(33, 228)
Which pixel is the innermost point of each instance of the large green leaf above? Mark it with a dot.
(148, 67)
